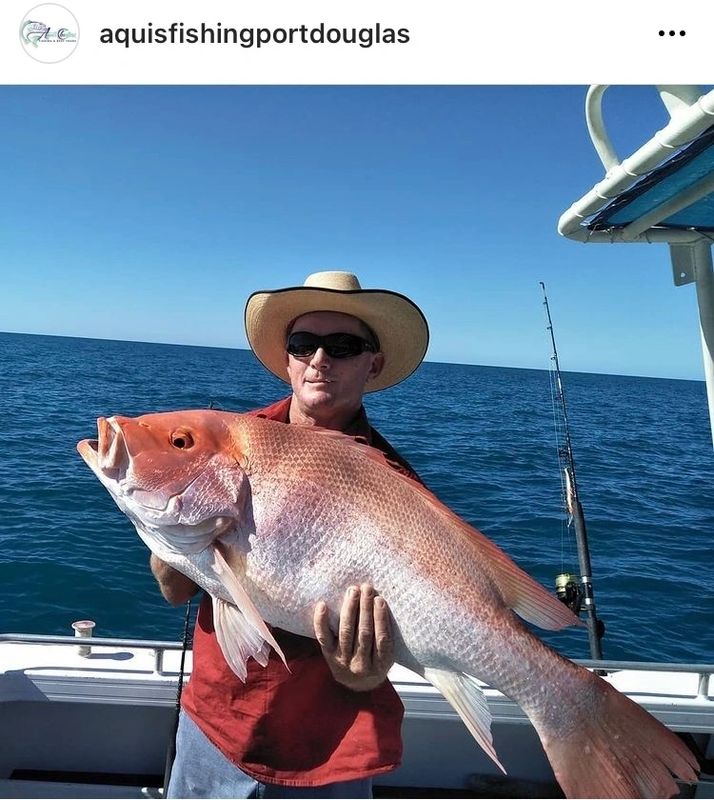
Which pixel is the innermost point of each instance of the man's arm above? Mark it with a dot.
(174, 585)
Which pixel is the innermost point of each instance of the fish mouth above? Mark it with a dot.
(91, 444)
(107, 456)
(109, 460)
(112, 452)
(89, 450)
(112, 478)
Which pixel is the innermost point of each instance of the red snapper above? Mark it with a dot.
(271, 518)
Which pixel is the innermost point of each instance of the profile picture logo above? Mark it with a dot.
(49, 33)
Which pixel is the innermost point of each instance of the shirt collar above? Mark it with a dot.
(358, 426)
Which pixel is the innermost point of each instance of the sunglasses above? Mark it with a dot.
(336, 345)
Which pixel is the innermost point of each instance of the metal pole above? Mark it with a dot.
(704, 276)
(595, 627)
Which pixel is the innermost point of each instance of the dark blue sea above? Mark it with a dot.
(482, 438)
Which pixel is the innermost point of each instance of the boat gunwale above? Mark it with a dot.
(609, 666)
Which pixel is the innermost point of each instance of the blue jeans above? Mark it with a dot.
(201, 770)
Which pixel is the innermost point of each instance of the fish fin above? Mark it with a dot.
(617, 749)
(237, 639)
(530, 600)
(244, 606)
(468, 700)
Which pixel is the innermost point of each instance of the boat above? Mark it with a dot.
(94, 720)
(91, 716)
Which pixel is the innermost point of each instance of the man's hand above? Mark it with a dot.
(174, 585)
(362, 653)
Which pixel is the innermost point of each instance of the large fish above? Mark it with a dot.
(271, 518)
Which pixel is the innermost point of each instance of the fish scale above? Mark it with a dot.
(285, 516)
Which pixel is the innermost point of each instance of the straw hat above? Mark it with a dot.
(398, 323)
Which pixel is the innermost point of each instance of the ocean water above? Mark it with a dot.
(482, 438)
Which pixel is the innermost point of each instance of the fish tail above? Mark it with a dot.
(615, 749)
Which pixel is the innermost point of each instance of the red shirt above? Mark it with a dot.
(297, 728)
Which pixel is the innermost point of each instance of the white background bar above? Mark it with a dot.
(450, 41)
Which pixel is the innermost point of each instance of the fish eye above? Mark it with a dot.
(181, 440)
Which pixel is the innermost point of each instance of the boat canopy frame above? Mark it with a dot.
(691, 112)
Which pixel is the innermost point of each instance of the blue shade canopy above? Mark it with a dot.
(690, 165)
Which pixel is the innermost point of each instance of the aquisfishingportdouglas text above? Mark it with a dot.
(257, 37)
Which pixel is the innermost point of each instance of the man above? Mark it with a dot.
(330, 723)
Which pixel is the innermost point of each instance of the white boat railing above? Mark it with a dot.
(157, 645)
(704, 671)
(687, 121)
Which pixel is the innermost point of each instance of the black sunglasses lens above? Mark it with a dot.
(343, 345)
(302, 344)
(336, 345)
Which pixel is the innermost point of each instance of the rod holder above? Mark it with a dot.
(83, 630)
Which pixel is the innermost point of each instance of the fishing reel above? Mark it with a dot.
(569, 591)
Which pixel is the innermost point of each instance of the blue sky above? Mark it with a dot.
(151, 213)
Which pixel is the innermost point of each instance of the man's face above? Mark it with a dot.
(322, 384)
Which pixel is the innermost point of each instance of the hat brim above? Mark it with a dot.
(400, 326)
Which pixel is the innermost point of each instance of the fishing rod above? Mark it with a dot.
(171, 748)
(567, 588)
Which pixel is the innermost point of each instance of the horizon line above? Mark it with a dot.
(426, 361)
